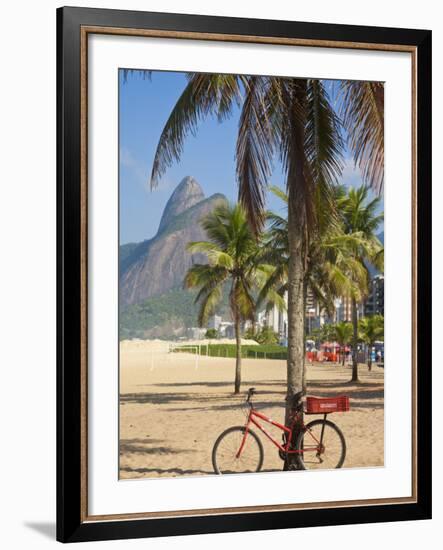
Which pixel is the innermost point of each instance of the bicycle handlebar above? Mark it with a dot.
(251, 392)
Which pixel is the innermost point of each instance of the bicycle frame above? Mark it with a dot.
(252, 419)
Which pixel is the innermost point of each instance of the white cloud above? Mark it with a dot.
(137, 168)
(140, 171)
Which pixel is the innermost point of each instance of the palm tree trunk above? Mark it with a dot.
(354, 341)
(295, 321)
(297, 189)
(238, 355)
(297, 225)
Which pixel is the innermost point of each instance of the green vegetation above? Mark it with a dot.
(325, 333)
(270, 351)
(264, 335)
(371, 329)
(343, 335)
(138, 320)
(158, 316)
(211, 333)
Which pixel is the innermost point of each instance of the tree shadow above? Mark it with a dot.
(138, 446)
(181, 397)
(362, 397)
(280, 404)
(246, 384)
(177, 471)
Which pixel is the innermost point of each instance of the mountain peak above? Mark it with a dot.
(187, 193)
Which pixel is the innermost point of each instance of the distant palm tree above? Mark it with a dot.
(232, 252)
(361, 221)
(371, 330)
(343, 336)
(293, 119)
(327, 260)
(330, 269)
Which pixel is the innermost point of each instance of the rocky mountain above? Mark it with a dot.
(187, 194)
(157, 266)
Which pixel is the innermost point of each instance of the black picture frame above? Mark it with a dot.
(72, 526)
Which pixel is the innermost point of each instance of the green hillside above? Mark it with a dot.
(164, 316)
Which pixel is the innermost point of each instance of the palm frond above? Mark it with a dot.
(279, 193)
(204, 276)
(254, 152)
(215, 256)
(144, 73)
(241, 299)
(324, 152)
(204, 94)
(362, 109)
(323, 141)
(208, 304)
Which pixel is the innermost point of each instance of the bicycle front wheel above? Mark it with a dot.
(321, 445)
(225, 454)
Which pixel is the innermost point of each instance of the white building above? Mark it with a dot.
(214, 322)
(278, 320)
(196, 333)
(226, 329)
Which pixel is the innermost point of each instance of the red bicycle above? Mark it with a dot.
(320, 444)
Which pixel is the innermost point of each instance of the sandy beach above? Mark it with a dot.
(174, 405)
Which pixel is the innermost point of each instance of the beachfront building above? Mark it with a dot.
(278, 320)
(375, 304)
(195, 333)
(343, 310)
(226, 329)
(214, 322)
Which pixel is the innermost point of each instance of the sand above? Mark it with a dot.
(173, 407)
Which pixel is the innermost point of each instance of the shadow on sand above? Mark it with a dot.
(139, 446)
(160, 471)
(363, 395)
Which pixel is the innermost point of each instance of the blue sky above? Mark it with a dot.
(145, 105)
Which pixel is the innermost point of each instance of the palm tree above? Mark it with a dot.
(330, 270)
(361, 221)
(371, 329)
(343, 336)
(291, 118)
(232, 252)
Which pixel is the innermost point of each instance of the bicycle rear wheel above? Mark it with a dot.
(224, 453)
(317, 452)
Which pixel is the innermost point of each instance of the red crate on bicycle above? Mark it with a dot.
(323, 405)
